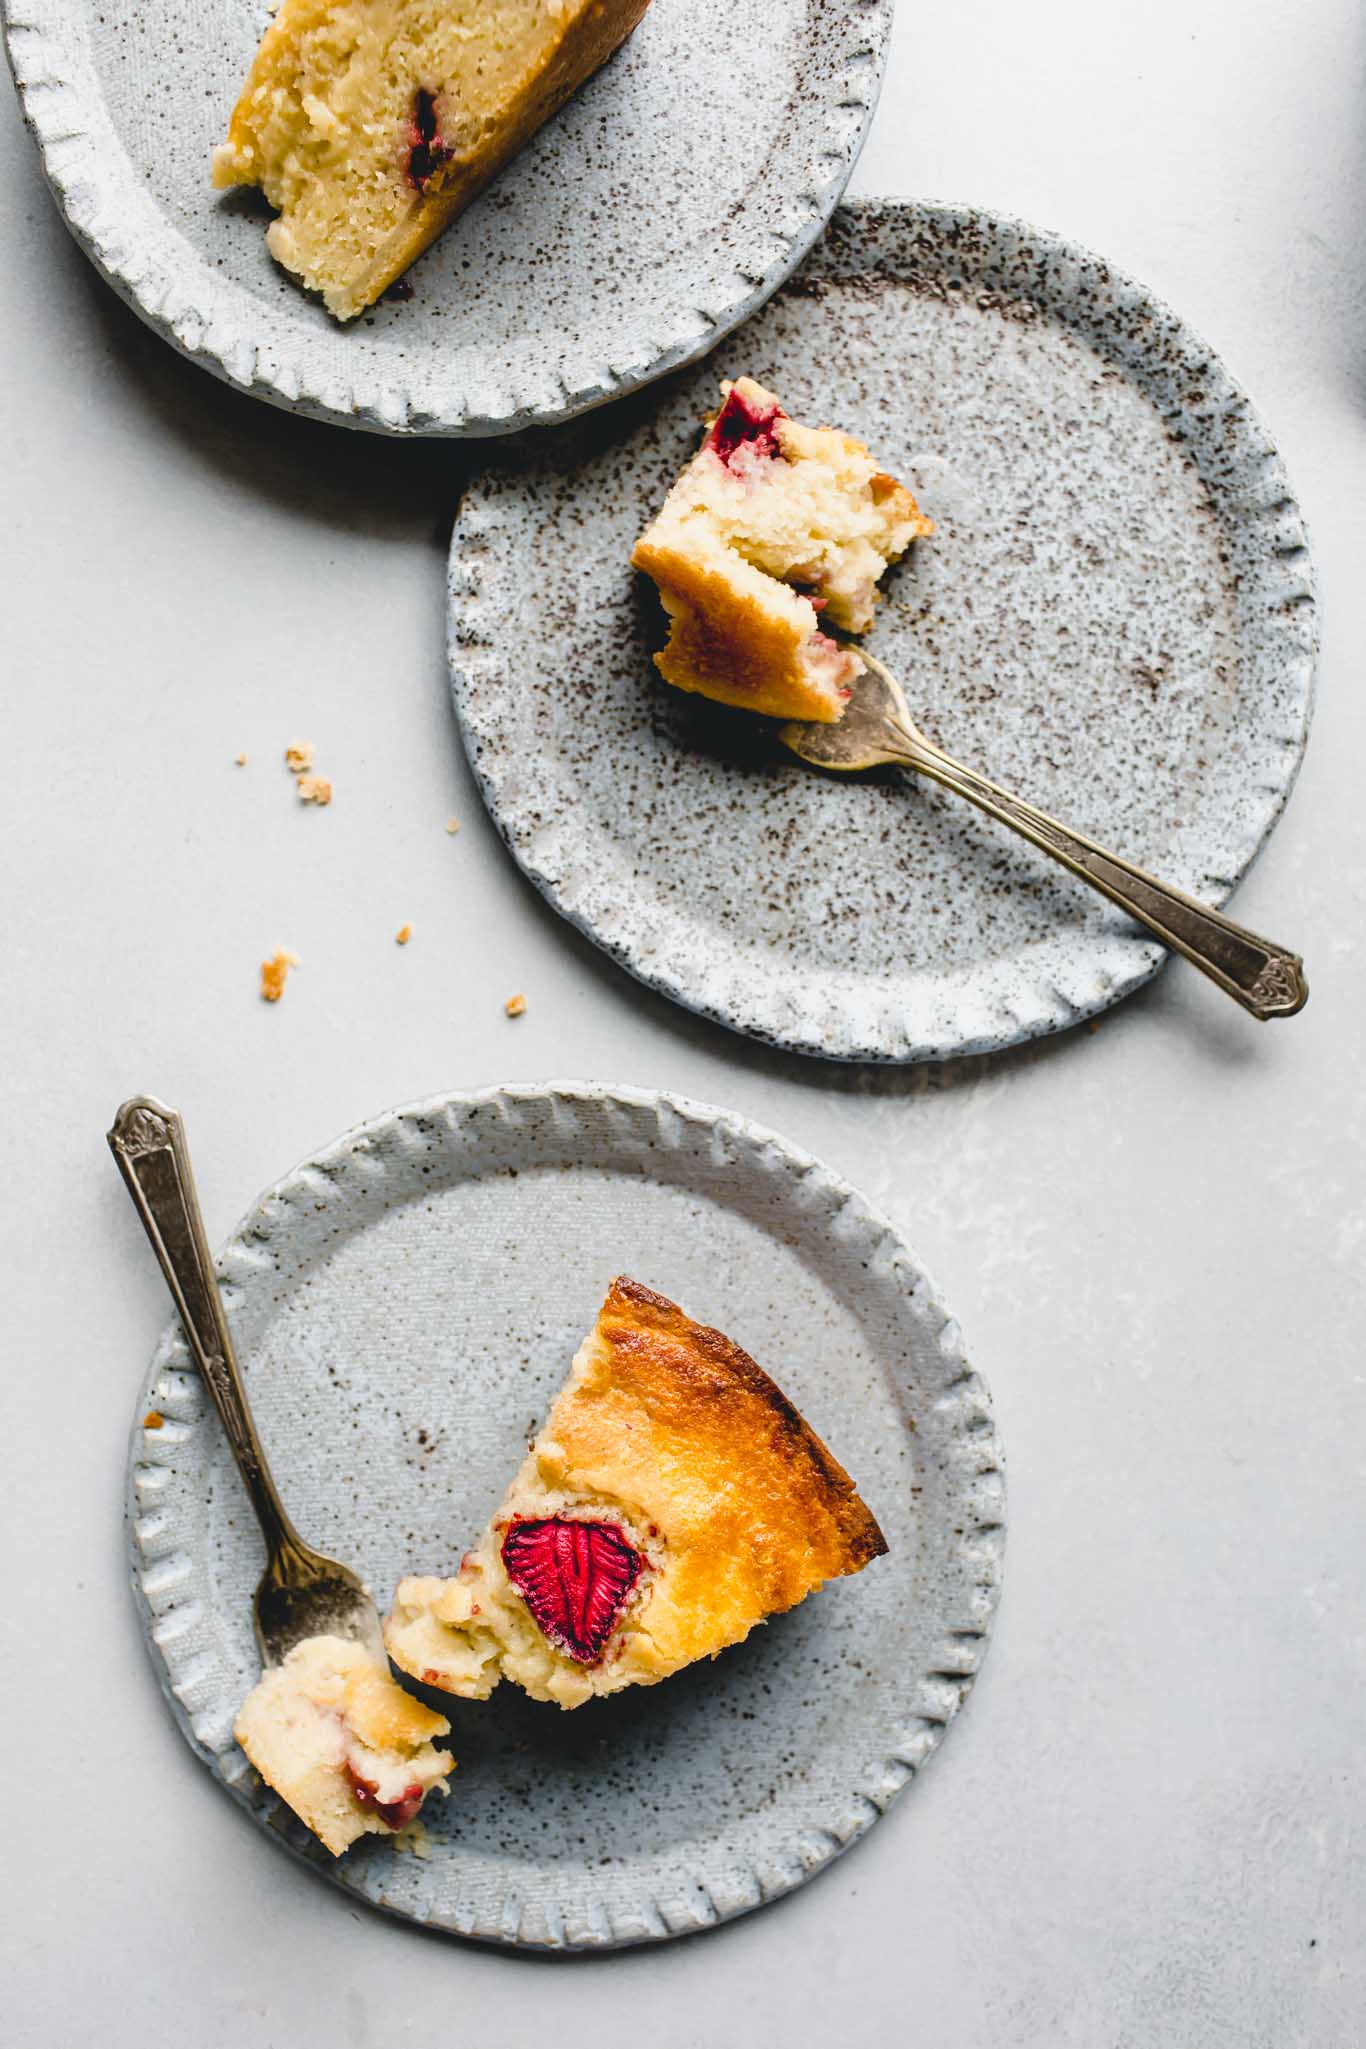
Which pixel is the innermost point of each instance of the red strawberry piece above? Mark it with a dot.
(738, 423)
(426, 151)
(395, 1813)
(575, 1578)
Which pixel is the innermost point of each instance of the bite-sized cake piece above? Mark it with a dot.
(341, 1742)
(773, 530)
(673, 1500)
(372, 123)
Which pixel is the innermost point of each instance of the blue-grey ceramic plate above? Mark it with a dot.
(659, 208)
(1115, 617)
(406, 1305)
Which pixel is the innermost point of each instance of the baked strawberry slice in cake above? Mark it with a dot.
(673, 1500)
(335, 1735)
(773, 531)
(370, 124)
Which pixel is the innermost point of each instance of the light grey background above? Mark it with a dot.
(1150, 1827)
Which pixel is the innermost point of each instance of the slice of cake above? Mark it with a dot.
(372, 123)
(673, 1500)
(773, 529)
(341, 1742)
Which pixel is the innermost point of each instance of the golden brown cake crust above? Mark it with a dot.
(697, 1380)
(755, 1513)
(386, 1717)
(724, 646)
(589, 40)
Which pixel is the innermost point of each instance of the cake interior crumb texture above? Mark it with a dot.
(773, 531)
(341, 1742)
(370, 124)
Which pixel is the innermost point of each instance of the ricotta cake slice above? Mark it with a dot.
(335, 1735)
(370, 124)
(773, 530)
(673, 1500)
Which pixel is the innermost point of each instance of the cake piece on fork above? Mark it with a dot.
(773, 531)
(334, 1734)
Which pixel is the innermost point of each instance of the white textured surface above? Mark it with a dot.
(1150, 1827)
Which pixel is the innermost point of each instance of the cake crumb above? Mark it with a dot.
(273, 973)
(240, 759)
(515, 1006)
(153, 1420)
(452, 825)
(315, 789)
(403, 935)
(299, 757)
(413, 1837)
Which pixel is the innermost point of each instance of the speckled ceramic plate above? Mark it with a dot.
(1115, 617)
(659, 208)
(406, 1305)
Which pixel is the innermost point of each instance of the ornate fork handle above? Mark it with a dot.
(1265, 978)
(148, 1142)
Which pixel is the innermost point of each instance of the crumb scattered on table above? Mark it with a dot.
(403, 935)
(273, 973)
(153, 1420)
(299, 756)
(515, 1006)
(452, 825)
(315, 789)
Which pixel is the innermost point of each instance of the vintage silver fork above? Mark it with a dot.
(301, 1593)
(877, 727)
